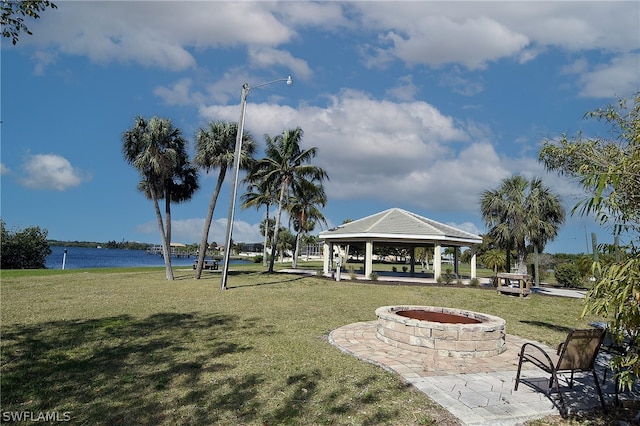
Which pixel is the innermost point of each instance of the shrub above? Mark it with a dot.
(405, 268)
(474, 282)
(373, 276)
(25, 249)
(394, 269)
(257, 259)
(352, 272)
(568, 275)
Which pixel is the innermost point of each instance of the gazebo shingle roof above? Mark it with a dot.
(397, 224)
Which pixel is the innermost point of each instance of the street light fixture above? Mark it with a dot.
(236, 165)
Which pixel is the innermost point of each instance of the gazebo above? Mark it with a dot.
(397, 228)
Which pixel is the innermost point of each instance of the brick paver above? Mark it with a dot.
(478, 391)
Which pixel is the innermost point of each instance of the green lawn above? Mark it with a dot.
(128, 347)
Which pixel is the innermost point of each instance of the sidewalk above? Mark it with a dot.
(478, 391)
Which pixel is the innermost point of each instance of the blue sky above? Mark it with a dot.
(417, 105)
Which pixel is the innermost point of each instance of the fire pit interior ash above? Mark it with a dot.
(441, 331)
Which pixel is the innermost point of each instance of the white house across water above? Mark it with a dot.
(401, 229)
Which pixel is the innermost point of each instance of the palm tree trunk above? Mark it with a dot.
(167, 225)
(536, 265)
(207, 224)
(294, 261)
(166, 254)
(522, 259)
(274, 242)
(266, 238)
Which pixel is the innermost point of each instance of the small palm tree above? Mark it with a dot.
(494, 259)
(158, 151)
(304, 210)
(260, 194)
(215, 148)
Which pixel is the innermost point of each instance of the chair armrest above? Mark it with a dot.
(537, 360)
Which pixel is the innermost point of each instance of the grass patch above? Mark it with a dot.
(129, 347)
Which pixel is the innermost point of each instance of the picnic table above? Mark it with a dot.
(514, 284)
(210, 264)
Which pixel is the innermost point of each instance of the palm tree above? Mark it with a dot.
(215, 147)
(494, 259)
(284, 163)
(546, 214)
(304, 210)
(519, 212)
(158, 151)
(260, 194)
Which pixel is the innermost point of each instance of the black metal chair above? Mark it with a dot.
(577, 353)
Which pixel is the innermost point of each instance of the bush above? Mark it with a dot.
(373, 276)
(25, 249)
(257, 259)
(352, 272)
(474, 282)
(568, 275)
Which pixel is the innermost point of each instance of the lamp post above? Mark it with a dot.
(236, 165)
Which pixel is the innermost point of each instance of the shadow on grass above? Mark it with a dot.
(176, 368)
(547, 325)
(122, 370)
(279, 279)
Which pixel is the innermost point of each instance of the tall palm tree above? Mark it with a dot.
(260, 194)
(304, 210)
(158, 151)
(284, 163)
(215, 148)
(518, 212)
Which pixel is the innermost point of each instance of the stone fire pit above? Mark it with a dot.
(444, 332)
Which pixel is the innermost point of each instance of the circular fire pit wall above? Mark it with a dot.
(441, 331)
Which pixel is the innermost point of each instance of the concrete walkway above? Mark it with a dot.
(476, 391)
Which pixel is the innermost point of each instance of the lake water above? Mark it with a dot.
(82, 257)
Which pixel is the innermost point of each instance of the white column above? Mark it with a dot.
(473, 262)
(368, 258)
(326, 255)
(437, 261)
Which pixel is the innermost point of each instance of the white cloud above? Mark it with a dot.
(460, 84)
(180, 93)
(405, 153)
(50, 171)
(439, 40)
(616, 79)
(404, 90)
(157, 34)
(267, 57)
(468, 34)
(189, 231)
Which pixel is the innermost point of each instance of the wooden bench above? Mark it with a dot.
(514, 284)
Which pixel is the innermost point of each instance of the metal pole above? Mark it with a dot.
(234, 186)
(234, 183)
